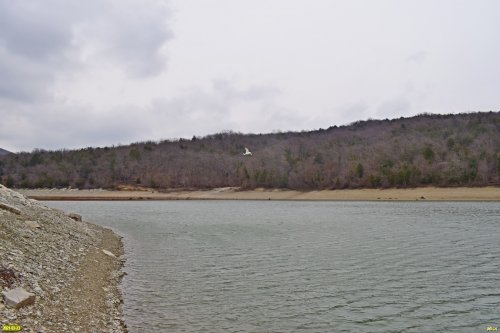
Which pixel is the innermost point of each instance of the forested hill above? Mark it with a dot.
(440, 150)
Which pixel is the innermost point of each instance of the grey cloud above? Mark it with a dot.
(41, 40)
(350, 112)
(22, 80)
(33, 29)
(78, 126)
(33, 41)
(418, 57)
(398, 106)
(276, 118)
(117, 126)
(204, 111)
(196, 111)
(132, 33)
(254, 92)
(250, 109)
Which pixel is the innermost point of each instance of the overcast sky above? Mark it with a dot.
(101, 72)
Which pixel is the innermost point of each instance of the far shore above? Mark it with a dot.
(489, 193)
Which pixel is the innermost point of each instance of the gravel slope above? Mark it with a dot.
(61, 261)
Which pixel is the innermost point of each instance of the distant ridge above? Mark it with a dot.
(424, 150)
(4, 152)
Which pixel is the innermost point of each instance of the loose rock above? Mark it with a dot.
(18, 297)
(76, 217)
(33, 224)
(10, 208)
(108, 253)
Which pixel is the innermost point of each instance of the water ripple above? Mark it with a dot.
(307, 266)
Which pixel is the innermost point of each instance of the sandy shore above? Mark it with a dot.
(227, 193)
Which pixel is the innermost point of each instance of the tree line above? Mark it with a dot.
(428, 149)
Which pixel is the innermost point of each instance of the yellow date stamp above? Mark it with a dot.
(11, 328)
(491, 328)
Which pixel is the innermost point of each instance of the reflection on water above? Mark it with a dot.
(252, 266)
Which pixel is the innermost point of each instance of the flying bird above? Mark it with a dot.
(247, 152)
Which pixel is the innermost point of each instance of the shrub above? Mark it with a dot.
(428, 154)
(359, 170)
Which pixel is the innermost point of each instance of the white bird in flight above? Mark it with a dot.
(247, 152)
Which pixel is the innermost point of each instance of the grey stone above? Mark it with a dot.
(10, 208)
(18, 298)
(76, 217)
(33, 224)
(108, 253)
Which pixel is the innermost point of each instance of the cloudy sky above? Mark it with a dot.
(101, 72)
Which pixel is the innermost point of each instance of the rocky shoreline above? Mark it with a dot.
(70, 270)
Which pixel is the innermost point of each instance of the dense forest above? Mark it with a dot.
(438, 150)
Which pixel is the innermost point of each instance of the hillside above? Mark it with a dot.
(4, 152)
(439, 150)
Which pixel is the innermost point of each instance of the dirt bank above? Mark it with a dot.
(421, 193)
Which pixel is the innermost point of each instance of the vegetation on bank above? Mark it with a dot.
(438, 150)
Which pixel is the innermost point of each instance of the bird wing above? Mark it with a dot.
(246, 150)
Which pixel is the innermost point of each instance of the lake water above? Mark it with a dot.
(269, 266)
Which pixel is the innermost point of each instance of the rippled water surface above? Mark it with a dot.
(254, 266)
